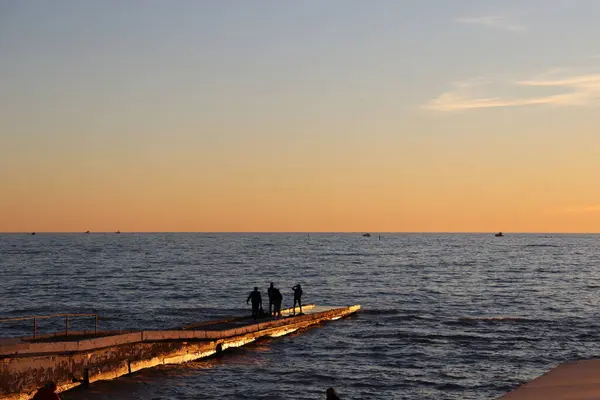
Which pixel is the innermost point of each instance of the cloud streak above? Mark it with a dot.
(577, 90)
(492, 21)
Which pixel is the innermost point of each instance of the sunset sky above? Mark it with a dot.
(312, 115)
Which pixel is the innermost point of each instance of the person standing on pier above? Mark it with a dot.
(297, 297)
(271, 300)
(277, 299)
(256, 302)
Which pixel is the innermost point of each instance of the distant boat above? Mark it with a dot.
(499, 234)
(366, 234)
(33, 233)
(87, 231)
(119, 232)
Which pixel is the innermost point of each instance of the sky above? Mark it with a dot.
(300, 116)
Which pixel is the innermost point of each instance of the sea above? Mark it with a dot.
(444, 316)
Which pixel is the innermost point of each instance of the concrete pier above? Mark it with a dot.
(82, 358)
(578, 380)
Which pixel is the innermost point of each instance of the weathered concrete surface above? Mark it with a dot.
(216, 330)
(26, 366)
(579, 380)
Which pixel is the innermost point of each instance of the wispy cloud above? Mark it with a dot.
(575, 90)
(492, 21)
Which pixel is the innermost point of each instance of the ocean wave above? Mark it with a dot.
(380, 311)
(429, 338)
(500, 319)
(449, 386)
(393, 316)
(414, 338)
(95, 249)
(30, 311)
(338, 254)
(437, 385)
(497, 318)
(25, 252)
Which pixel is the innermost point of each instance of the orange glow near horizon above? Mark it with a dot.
(448, 180)
(378, 193)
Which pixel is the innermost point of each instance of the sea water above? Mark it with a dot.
(444, 316)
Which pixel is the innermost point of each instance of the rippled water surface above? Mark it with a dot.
(445, 316)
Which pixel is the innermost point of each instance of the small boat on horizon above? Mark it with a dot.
(366, 234)
(499, 234)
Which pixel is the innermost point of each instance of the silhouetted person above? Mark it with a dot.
(297, 297)
(47, 392)
(270, 294)
(277, 299)
(256, 302)
(331, 394)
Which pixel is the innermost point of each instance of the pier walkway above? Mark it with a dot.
(82, 357)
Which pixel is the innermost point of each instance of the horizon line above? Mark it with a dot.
(298, 232)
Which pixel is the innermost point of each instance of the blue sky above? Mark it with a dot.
(410, 50)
